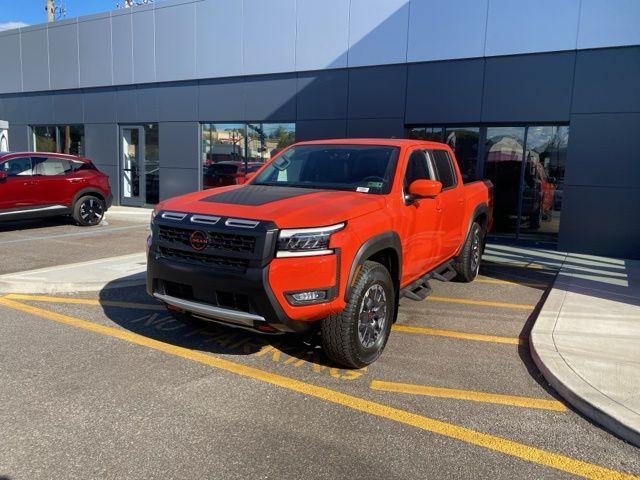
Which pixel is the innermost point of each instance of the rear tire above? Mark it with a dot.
(467, 264)
(357, 336)
(88, 211)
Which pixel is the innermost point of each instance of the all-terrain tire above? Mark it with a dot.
(341, 340)
(88, 210)
(467, 264)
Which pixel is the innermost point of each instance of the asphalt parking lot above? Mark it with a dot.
(108, 385)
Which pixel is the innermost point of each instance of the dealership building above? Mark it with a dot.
(540, 96)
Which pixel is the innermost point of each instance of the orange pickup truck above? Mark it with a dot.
(328, 235)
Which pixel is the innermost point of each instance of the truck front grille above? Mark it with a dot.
(230, 242)
(200, 258)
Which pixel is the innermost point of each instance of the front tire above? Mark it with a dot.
(467, 264)
(88, 211)
(357, 336)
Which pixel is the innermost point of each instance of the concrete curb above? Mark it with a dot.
(574, 389)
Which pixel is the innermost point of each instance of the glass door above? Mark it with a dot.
(132, 165)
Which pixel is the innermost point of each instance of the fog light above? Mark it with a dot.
(310, 296)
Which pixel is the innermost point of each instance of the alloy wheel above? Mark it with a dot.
(372, 319)
(91, 211)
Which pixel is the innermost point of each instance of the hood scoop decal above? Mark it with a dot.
(255, 195)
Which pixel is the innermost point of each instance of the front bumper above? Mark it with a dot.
(235, 278)
(228, 297)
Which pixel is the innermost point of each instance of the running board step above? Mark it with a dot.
(417, 291)
(421, 289)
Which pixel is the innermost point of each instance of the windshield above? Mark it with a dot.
(361, 168)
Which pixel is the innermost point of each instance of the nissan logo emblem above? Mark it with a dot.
(198, 240)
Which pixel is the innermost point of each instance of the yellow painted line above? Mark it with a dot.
(491, 442)
(453, 334)
(465, 301)
(511, 282)
(471, 395)
(85, 301)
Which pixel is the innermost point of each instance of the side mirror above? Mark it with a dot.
(425, 188)
(3, 176)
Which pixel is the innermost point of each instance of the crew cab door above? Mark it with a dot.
(451, 203)
(421, 218)
(18, 189)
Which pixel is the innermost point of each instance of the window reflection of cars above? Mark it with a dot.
(504, 161)
(222, 174)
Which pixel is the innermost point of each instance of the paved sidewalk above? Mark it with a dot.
(123, 271)
(586, 340)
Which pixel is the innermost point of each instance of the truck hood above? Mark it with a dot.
(285, 206)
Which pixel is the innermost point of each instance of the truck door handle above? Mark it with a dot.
(74, 180)
(31, 182)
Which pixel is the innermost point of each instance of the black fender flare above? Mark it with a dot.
(479, 210)
(382, 241)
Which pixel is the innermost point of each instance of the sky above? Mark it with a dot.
(16, 13)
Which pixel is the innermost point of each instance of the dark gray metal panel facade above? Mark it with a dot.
(600, 103)
(221, 100)
(144, 50)
(377, 92)
(63, 55)
(100, 105)
(603, 148)
(179, 146)
(39, 108)
(375, 127)
(122, 47)
(178, 101)
(175, 54)
(445, 92)
(68, 107)
(607, 80)
(19, 137)
(35, 58)
(319, 129)
(94, 38)
(102, 147)
(322, 94)
(12, 108)
(102, 143)
(11, 78)
(176, 181)
(271, 97)
(528, 88)
(601, 221)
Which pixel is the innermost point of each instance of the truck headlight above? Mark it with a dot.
(305, 242)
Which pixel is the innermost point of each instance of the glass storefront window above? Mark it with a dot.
(44, 139)
(432, 134)
(231, 150)
(464, 143)
(264, 140)
(504, 151)
(543, 179)
(59, 139)
(524, 163)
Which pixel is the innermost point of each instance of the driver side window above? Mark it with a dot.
(417, 168)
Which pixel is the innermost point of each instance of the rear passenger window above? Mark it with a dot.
(51, 166)
(417, 168)
(444, 169)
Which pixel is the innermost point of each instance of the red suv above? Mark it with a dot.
(36, 185)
